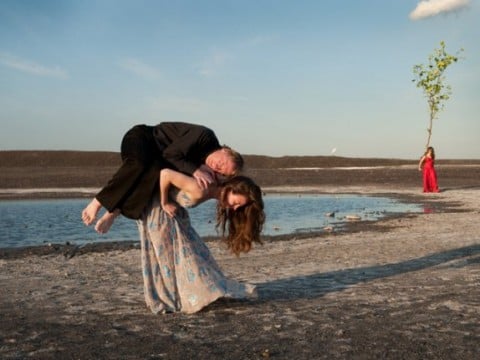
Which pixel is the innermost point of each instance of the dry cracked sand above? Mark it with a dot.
(401, 288)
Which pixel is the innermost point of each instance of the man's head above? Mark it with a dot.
(225, 161)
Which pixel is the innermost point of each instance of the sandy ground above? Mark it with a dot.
(402, 288)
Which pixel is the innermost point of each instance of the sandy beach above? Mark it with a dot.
(400, 288)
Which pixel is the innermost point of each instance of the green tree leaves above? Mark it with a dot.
(431, 79)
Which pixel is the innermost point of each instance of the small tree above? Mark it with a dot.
(430, 78)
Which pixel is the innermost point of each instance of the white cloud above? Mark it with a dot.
(139, 68)
(430, 8)
(179, 105)
(258, 40)
(238, 98)
(217, 59)
(32, 67)
(214, 62)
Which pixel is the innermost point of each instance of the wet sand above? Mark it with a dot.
(402, 288)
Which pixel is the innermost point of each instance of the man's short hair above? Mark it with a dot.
(236, 158)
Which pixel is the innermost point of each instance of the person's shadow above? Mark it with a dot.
(316, 285)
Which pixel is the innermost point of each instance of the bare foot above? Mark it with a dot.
(89, 214)
(105, 222)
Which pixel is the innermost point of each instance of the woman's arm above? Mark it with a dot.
(420, 163)
(187, 184)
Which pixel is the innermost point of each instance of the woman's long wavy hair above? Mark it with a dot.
(432, 154)
(245, 224)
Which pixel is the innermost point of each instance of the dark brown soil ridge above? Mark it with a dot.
(13, 158)
(67, 169)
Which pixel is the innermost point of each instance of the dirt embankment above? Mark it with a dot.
(66, 169)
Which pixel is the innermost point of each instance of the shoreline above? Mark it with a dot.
(74, 192)
(70, 250)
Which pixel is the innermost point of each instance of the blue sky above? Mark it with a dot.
(270, 77)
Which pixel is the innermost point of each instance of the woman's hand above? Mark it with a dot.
(170, 209)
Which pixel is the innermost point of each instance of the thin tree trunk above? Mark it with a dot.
(430, 124)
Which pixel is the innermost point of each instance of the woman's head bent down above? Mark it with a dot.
(240, 213)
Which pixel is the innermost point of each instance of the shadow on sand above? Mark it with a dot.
(311, 286)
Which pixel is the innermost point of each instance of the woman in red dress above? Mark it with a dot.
(427, 164)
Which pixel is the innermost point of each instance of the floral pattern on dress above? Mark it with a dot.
(179, 272)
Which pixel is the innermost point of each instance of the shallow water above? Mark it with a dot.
(37, 222)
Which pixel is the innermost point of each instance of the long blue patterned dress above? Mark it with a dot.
(179, 272)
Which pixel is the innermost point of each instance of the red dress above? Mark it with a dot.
(429, 176)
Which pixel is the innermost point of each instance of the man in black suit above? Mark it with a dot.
(145, 150)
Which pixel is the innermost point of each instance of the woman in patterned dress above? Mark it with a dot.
(179, 271)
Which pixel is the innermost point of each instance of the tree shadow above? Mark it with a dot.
(316, 285)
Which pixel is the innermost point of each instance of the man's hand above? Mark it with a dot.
(204, 176)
